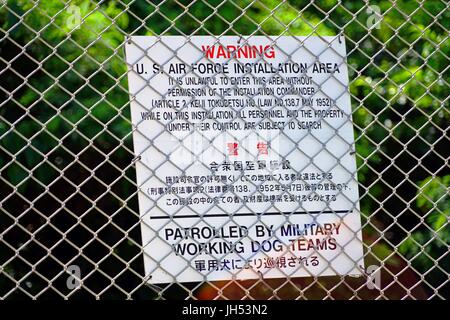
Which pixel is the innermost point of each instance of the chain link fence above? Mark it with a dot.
(70, 219)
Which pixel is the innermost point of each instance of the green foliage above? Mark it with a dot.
(433, 200)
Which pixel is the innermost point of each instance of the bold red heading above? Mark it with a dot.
(239, 52)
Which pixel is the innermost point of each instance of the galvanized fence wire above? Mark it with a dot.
(70, 221)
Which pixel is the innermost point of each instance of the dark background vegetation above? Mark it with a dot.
(67, 186)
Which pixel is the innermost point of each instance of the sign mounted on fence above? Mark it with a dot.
(245, 166)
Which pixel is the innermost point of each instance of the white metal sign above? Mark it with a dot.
(246, 163)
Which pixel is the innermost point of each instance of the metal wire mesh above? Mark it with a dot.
(70, 222)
